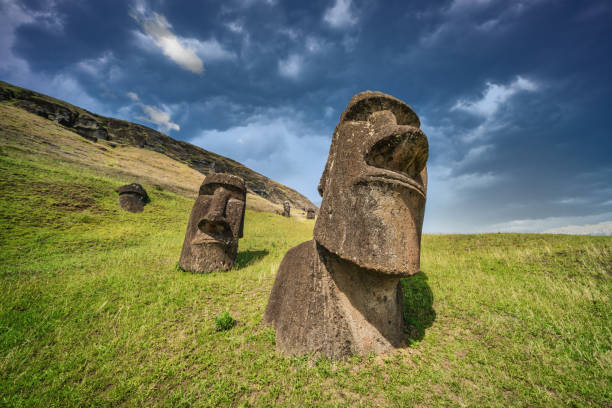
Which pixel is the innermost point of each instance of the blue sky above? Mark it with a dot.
(515, 96)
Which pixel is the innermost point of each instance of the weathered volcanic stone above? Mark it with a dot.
(215, 225)
(132, 197)
(310, 214)
(286, 209)
(340, 293)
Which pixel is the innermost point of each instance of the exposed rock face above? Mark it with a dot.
(215, 225)
(89, 128)
(6, 94)
(310, 214)
(286, 209)
(132, 197)
(340, 293)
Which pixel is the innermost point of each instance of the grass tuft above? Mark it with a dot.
(224, 321)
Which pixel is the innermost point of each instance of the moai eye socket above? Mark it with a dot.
(404, 151)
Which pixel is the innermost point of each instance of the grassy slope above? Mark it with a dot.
(35, 137)
(94, 311)
(125, 134)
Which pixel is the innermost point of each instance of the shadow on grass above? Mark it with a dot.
(418, 306)
(246, 258)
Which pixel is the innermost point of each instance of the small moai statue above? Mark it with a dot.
(286, 209)
(132, 197)
(215, 225)
(340, 293)
(310, 214)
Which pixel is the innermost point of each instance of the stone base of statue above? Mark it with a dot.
(209, 258)
(324, 305)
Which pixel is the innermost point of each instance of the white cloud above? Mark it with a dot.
(573, 201)
(235, 26)
(158, 117)
(494, 96)
(291, 67)
(315, 45)
(17, 70)
(602, 228)
(152, 114)
(103, 67)
(550, 224)
(461, 5)
(278, 143)
(13, 14)
(186, 52)
(466, 17)
(340, 15)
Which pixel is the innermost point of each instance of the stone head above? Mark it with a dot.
(215, 224)
(132, 197)
(374, 186)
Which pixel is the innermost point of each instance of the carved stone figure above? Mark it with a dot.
(340, 293)
(286, 209)
(215, 225)
(132, 197)
(310, 214)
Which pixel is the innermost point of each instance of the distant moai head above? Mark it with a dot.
(215, 225)
(374, 186)
(310, 214)
(132, 197)
(286, 209)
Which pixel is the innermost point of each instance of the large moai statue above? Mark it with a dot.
(215, 224)
(132, 197)
(340, 293)
(286, 209)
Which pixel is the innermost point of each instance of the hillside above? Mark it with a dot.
(116, 135)
(95, 312)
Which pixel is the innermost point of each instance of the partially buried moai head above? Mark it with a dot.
(215, 225)
(374, 186)
(132, 197)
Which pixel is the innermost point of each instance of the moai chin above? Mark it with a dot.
(286, 209)
(132, 197)
(215, 224)
(340, 294)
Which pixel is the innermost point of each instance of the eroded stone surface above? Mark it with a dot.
(340, 293)
(215, 225)
(132, 197)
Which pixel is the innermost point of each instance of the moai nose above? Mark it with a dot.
(216, 210)
(404, 149)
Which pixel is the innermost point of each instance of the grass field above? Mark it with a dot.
(95, 312)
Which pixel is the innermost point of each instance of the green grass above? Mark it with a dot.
(94, 311)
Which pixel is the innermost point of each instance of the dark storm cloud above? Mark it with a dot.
(514, 96)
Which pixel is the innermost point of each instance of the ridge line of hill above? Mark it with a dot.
(119, 132)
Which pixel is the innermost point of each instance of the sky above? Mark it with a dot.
(514, 96)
